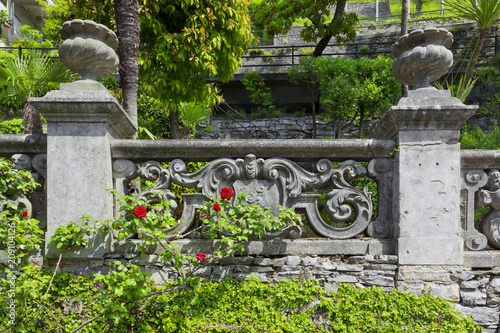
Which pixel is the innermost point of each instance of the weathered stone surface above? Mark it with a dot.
(146, 260)
(222, 270)
(293, 260)
(381, 267)
(278, 262)
(309, 261)
(240, 268)
(450, 292)
(331, 287)
(261, 277)
(482, 315)
(493, 291)
(346, 278)
(203, 271)
(472, 297)
(260, 261)
(426, 273)
(245, 260)
(349, 268)
(383, 281)
(261, 269)
(422, 56)
(158, 276)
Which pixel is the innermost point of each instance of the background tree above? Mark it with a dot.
(305, 74)
(355, 90)
(278, 16)
(183, 42)
(30, 75)
(484, 13)
(127, 31)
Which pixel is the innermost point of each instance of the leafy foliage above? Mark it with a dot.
(490, 75)
(19, 234)
(13, 126)
(235, 224)
(30, 75)
(246, 306)
(261, 96)
(355, 89)
(278, 16)
(475, 138)
(190, 40)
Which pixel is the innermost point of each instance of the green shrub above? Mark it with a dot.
(475, 138)
(245, 306)
(13, 126)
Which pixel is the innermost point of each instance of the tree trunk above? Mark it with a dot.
(32, 120)
(404, 30)
(175, 131)
(361, 120)
(127, 26)
(313, 109)
(477, 52)
(323, 42)
(419, 6)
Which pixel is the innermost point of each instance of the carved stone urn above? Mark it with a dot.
(89, 49)
(422, 56)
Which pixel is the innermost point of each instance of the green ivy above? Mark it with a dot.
(245, 306)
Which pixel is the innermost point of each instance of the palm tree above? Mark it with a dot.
(127, 28)
(484, 13)
(31, 75)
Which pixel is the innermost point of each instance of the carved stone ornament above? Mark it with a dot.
(422, 56)
(472, 180)
(490, 196)
(89, 49)
(270, 182)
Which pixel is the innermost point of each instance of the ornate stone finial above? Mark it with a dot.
(89, 49)
(422, 56)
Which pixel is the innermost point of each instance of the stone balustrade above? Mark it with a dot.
(421, 237)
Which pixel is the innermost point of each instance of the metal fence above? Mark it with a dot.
(289, 55)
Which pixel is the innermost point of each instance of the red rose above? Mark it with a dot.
(140, 211)
(25, 213)
(200, 257)
(216, 207)
(155, 176)
(226, 193)
(118, 227)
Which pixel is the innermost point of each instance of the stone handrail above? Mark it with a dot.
(298, 150)
(11, 144)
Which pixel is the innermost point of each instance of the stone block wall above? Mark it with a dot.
(275, 128)
(474, 291)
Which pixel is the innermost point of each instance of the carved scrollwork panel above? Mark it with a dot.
(490, 196)
(472, 180)
(269, 182)
(381, 170)
(155, 172)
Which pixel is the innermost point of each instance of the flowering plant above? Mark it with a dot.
(238, 222)
(4, 19)
(226, 193)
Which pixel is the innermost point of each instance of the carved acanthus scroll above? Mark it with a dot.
(269, 182)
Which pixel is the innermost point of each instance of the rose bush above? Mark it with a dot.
(200, 257)
(140, 211)
(226, 193)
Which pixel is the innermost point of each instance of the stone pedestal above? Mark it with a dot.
(82, 119)
(426, 126)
